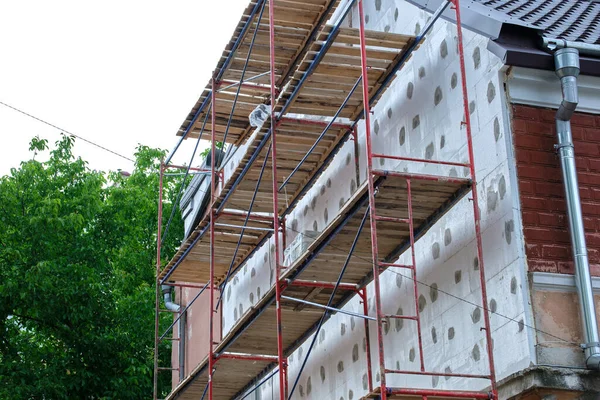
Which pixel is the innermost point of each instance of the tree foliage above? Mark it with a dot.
(77, 267)
(218, 145)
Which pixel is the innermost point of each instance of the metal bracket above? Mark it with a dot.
(557, 147)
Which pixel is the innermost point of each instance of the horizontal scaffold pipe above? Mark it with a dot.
(332, 309)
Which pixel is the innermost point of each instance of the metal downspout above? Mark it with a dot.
(170, 305)
(567, 70)
(182, 344)
(166, 291)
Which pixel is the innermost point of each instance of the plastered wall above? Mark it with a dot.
(420, 115)
(196, 333)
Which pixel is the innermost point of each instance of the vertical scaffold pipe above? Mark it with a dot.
(158, 265)
(281, 357)
(374, 247)
(211, 315)
(476, 215)
(411, 232)
(363, 295)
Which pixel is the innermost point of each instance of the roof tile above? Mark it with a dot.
(575, 20)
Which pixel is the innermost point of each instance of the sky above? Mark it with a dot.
(117, 73)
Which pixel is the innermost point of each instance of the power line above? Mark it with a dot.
(65, 131)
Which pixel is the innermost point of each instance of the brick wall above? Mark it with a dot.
(545, 224)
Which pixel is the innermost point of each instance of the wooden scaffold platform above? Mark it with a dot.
(320, 78)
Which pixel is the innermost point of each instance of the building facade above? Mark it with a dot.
(534, 308)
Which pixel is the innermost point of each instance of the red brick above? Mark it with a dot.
(533, 250)
(548, 115)
(595, 269)
(581, 119)
(541, 128)
(535, 172)
(534, 234)
(526, 187)
(594, 256)
(589, 224)
(545, 235)
(585, 193)
(590, 208)
(589, 178)
(533, 203)
(557, 205)
(586, 149)
(577, 133)
(555, 252)
(594, 164)
(543, 157)
(593, 239)
(530, 141)
(557, 220)
(581, 163)
(524, 112)
(546, 189)
(542, 192)
(591, 134)
(531, 171)
(519, 125)
(522, 156)
(566, 267)
(542, 266)
(530, 218)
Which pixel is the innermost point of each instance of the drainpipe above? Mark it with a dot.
(567, 69)
(166, 290)
(586, 49)
(170, 305)
(182, 345)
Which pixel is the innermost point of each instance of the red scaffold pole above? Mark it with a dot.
(211, 314)
(372, 213)
(278, 288)
(158, 265)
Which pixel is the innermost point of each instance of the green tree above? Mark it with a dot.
(77, 256)
(218, 145)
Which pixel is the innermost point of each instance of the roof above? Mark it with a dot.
(574, 20)
(514, 27)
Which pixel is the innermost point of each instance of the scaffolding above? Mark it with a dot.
(317, 70)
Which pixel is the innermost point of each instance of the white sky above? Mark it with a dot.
(118, 73)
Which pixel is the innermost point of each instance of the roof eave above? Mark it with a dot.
(519, 46)
(474, 16)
